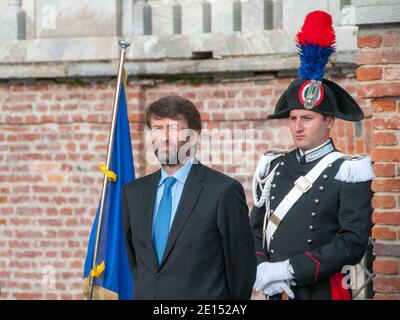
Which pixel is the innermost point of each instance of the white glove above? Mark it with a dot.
(278, 287)
(268, 272)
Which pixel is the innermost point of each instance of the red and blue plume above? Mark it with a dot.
(316, 42)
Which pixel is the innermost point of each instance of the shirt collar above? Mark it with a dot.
(315, 153)
(181, 174)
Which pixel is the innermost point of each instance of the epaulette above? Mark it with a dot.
(355, 169)
(265, 161)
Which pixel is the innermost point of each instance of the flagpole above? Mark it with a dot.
(123, 46)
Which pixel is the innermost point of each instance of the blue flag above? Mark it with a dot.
(115, 281)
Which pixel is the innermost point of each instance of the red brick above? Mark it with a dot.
(386, 122)
(21, 107)
(27, 254)
(214, 104)
(234, 116)
(386, 266)
(383, 202)
(392, 73)
(391, 55)
(371, 41)
(29, 234)
(389, 155)
(42, 87)
(360, 147)
(380, 296)
(47, 118)
(62, 118)
(377, 90)
(232, 94)
(21, 98)
(387, 185)
(14, 120)
(219, 94)
(386, 217)
(384, 139)
(369, 57)
(217, 116)
(50, 222)
(17, 88)
(134, 117)
(28, 296)
(366, 73)
(391, 39)
(387, 284)
(71, 146)
(46, 189)
(384, 170)
(383, 105)
(383, 233)
(244, 103)
(248, 93)
(266, 92)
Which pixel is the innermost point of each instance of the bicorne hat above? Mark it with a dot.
(316, 42)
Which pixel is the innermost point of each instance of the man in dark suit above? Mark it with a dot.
(186, 226)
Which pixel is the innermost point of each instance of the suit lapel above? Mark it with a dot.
(149, 198)
(190, 194)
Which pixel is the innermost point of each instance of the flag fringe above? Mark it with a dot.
(99, 293)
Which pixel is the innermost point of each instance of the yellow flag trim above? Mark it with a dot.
(112, 176)
(98, 270)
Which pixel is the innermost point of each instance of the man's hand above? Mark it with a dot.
(277, 287)
(268, 272)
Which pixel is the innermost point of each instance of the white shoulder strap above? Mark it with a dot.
(301, 186)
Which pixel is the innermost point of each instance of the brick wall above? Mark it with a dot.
(379, 76)
(54, 135)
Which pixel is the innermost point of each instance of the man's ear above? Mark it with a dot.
(194, 137)
(330, 121)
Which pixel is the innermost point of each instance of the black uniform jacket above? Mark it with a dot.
(328, 228)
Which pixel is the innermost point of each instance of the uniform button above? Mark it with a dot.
(282, 163)
(309, 241)
(324, 177)
(272, 238)
(311, 228)
(158, 276)
(316, 201)
(271, 251)
(321, 188)
(272, 210)
(273, 185)
(329, 165)
(313, 214)
(278, 173)
(272, 197)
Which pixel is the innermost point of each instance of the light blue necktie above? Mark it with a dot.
(161, 226)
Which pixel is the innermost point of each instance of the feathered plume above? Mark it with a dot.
(316, 42)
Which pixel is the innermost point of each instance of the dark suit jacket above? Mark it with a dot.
(210, 251)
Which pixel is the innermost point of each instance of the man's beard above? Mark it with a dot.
(168, 158)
